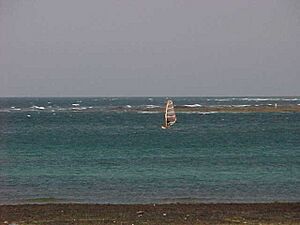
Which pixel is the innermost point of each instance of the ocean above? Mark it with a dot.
(95, 150)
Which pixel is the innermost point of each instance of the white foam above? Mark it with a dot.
(201, 113)
(206, 113)
(152, 106)
(75, 104)
(38, 107)
(14, 108)
(193, 106)
(128, 106)
(260, 99)
(290, 99)
(79, 108)
(223, 99)
(218, 106)
(147, 112)
(240, 106)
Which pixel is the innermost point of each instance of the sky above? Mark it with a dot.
(149, 48)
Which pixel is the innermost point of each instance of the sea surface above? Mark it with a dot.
(92, 150)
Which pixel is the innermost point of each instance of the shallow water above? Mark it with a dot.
(124, 157)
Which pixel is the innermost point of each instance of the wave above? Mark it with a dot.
(193, 106)
(202, 113)
(38, 107)
(253, 99)
(15, 109)
(147, 112)
(223, 99)
(205, 113)
(79, 108)
(240, 106)
(291, 99)
(270, 99)
(152, 106)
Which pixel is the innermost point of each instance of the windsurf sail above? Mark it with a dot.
(170, 116)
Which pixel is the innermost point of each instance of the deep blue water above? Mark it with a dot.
(125, 157)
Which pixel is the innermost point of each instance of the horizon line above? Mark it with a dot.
(149, 96)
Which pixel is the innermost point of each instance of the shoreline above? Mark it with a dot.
(174, 213)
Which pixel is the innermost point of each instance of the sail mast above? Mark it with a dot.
(166, 114)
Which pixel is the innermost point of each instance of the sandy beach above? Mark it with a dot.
(55, 214)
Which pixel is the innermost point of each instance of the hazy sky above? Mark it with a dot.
(149, 47)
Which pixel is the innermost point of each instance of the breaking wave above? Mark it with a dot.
(152, 106)
(193, 106)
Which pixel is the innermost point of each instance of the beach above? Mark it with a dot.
(81, 214)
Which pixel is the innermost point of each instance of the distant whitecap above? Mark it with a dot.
(38, 107)
(240, 106)
(223, 99)
(152, 106)
(193, 106)
(14, 108)
(147, 112)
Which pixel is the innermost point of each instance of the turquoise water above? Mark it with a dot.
(109, 156)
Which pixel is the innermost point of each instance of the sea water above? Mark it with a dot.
(84, 150)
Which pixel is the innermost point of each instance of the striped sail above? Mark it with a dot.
(170, 116)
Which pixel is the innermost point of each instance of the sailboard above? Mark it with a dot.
(169, 116)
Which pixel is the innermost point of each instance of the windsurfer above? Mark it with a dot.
(169, 117)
